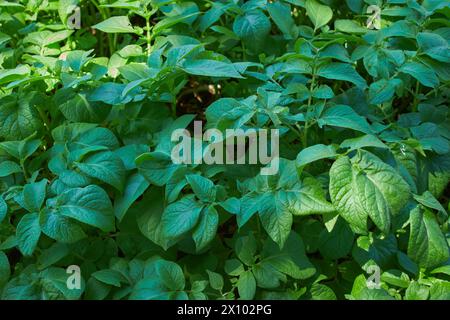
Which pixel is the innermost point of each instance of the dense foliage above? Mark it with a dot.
(360, 98)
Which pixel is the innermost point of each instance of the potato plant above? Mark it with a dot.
(92, 205)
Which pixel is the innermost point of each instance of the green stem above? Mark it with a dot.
(174, 108)
(44, 118)
(295, 131)
(305, 136)
(311, 89)
(24, 170)
(148, 35)
(105, 15)
(416, 99)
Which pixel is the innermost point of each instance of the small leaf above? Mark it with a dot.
(319, 14)
(314, 153)
(119, 24)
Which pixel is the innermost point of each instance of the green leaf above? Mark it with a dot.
(5, 269)
(341, 71)
(349, 26)
(206, 229)
(246, 285)
(90, 205)
(314, 153)
(278, 197)
(110, 93)
(109, 276)
(319, 14)
(211, 68)
(8, 168)
(395, 278)
(55, 253)
(367, 140)
(166, 281)
(104, 166)
(282, 16)
(156, 167)
(291, 260)
(28, 233)
(444, 270)
(427, 245)
(440, 290)
(337, 243)
(245, 248)
(203, 188)
(3, 209)
(367, 187)
(322, 292)
(382, 90)
(416, 291)
(421, 72)
(76, 107)
(434, 45)
(215, 280)
(34, 195)
(19, 117)
(180, 217)
(345, 117)
(252, 27)
(171, 21)
(135, 186)
(118, 24)
(59, 227)
(276, 218)
(374, 294)
(428, 200)
(55, 281)
(9, 75)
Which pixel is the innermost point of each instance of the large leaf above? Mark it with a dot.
(345, 117)
(434, 45)
(59, 227)
(135, 186)
(252, 27)
(28, 233)
(342, 71)
(19, 117)
(211, 68)
(90, 205)
(180, 217)
(165, 281)
(427, 245)
(365, 186)
(106, 167)
(422, 73)
(277, 198)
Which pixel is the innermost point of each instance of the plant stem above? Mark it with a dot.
(416, 99)
(311, 88)
(44, 118)
(105, 15)
(174, 108)
(148, 35)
